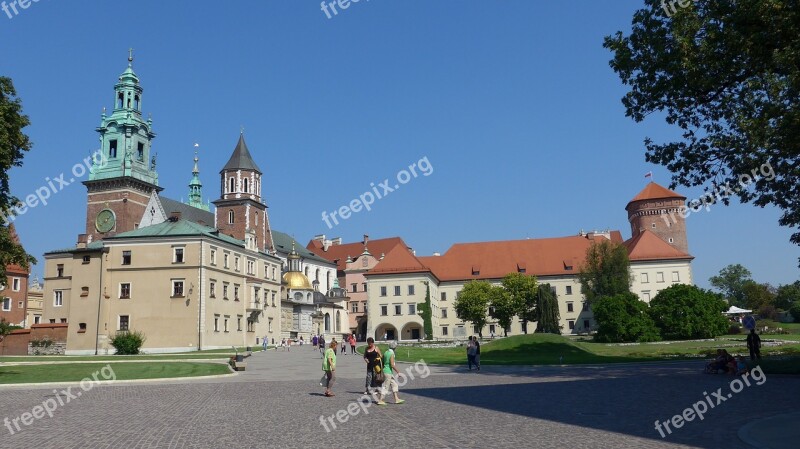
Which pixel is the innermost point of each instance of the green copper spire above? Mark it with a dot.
(125, 137)
(196, 187)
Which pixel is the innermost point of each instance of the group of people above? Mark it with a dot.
(474, 353)
(381, 370)
(726, 363)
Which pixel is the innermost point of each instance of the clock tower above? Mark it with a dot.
(123, 178)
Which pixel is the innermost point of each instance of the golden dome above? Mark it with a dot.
(296, 280)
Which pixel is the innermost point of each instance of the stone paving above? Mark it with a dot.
(277, 402)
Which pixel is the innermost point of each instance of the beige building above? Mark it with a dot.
(35, 300)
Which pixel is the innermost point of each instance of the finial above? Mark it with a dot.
(241, 129)
(130, 57)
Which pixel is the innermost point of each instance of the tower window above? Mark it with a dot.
(112, 148)
(120, 99)
(230, 217)
(136, 102)
(140, 151)
(245, 185)
(671, 240)
(232, 184)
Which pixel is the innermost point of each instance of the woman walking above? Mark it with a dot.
(372, 357)
(352, 344)
(329, 367)
(390, 371)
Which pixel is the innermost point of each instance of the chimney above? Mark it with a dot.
(366, 239)
(82, 240)
(320, 237)
(336, 241)
(174, 216)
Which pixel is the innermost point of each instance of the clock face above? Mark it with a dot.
(105, 220)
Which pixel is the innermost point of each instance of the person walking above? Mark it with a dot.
(754, 345)
(477, 358)
(321, 344)
(352, 344)
(314, 342)
(470, 353)
(344, 345)
(372, 357)
(329, 367)
(390, 371)
(264, 343)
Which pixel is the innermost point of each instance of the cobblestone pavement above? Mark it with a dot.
(277, 402)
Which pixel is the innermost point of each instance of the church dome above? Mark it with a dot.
(296, 280)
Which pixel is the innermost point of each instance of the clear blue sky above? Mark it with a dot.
(513, 103)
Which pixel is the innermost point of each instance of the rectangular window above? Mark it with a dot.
(126, 258)
(270, 325)
(491, 328)
(384, 310)
(444, 313)
(213, 257)
(125, 291)
(586, 325)
(84, 292)
(273, 299)
(224, 290)
(112, 147)
(60, 270)
(177, 289)
(398, 309)
(124, 322)
(569, 290)
(660, 276)
(646, 296)
(645, 278)
(354, 307)
(412, 309)
(87, 259)
(235, 292)
(364, 306)
(212, 289)
(676, 277)
(444, 296)
(383, 291)
(585, 307)
(397, 290)
(58, 298)
(140, 151)
(251, 268)
(570, 307)
(6, 304)
(239, 323)
(364, 286)
(15, 284)
(410, 290)
(354, 288)
(571, 324)
(225, 261)
(63, 320)
(177, 255)
(444, 331)
(225, 323)
(236, 263)
(81, 328)
(216, 323)
(37, 319)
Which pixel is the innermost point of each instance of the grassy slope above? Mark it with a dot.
(123, 371)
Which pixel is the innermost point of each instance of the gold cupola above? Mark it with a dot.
(294, 279)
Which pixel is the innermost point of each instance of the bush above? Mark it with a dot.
(128, 342)
(735, 329)
(623, 318)
(795, 311)
(768, 312)
(685, 312)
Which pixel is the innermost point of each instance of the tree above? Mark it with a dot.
(795, 311)
(623, 318)
(426, 313)
(606, 271)
(757, 295)
(522, 289)
(787, 295)
(473, 302)
(726, 75)
(13, 144)
(5, 328)
(503, 307)
(683, 312)
(731, 281)
(547, 314)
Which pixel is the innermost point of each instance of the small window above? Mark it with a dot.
(212, 289)
(231, 215)
(216, 323)
(6, 304)
(410, 290)
(239, 323)
(492, 328)
(444, 296)
(653, 226)
(570, 307)
(86, 259)
(354, 307)
(398, 309)
(571, 324)
(235, 292)
(384, 310)
(660, 276)
(444, 331)
(569, 290)
(364, 286)
(676, 277)
(225, 260)
(225, 290)
(412, 309)
(81, 328)
(671, 240)
(140, 152)
(585, 306)
(60, 270)
(231, 187)
(84, 292)
(225, 324)
(126, 258)
(245, 184)
(236, 263)
(397, 290)
(645, 278)
(58, 298)
(444, 313)
(20, 304)
(15, 284)
(124, 322)
(125, 291)
(354, 288)
(273, 299)
(112, 148)
(213, 257)
(383, 291)
(646, 296)
(178, 255)
(177, 289)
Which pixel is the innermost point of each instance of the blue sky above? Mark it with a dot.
(513, 103)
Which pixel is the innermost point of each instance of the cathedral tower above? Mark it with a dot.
(659, 210)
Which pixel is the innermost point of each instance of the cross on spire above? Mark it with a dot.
(130, 56)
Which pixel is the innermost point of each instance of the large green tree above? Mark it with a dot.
(547, 315)
(522, 288)
(503, 307)
(731, 281)
(727, 75)
(13, 145)
(623, 318)
(472, 303)
(787, 295)
(606, 271)
(683, 312)
(758, 295)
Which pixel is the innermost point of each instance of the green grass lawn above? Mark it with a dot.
(114, 358)
(122, 371)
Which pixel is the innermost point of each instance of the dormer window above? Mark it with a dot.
(476, 270)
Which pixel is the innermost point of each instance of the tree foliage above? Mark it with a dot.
(731, 281)
(13, 145)
(5, 328)
(504, 307)
(623, 318)
(683, 312)
(795, 311)
(787, 295)
(426, 313)
(522, 289)
(547, 315)
(128, 342)
(757, 295)
(472, 304)
(727, 75)
(606, 271)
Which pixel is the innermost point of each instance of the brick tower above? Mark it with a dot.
(657, 209)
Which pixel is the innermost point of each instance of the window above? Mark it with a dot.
(140, 150)
(397, 290)
(124, 322)
(212, 289)
(646, 296)
(225, 323)
(20, 304)
(224, 290)
(58, 298)
(654, 226)
(569, 290)
(585, 307)
(353, 288)
(671, 240)
(444, 313)
(6, 304)
(239, 323)
(444, 331)
(112, 148)
(444, 296)
(571, 324)
(245, 184)
(383, 291)
(216, 323)
(177, 255)
(15, 284)
(126, 258)
(81, 328)
(412, 309)
(364, 286)
(63, 320)
(586, 324)
(231, 186)
(37, 319)
(570, 307)
(86, 259)
(660, 276)
(231, 215)
(364, 306)
(270, 325)
(177, 289)
(124, 291)
(273, 299)
(213, 257)
(491, 328)
(410, 290)
(60, 270)
(384, 310)
(398, 309)
(354, 307)
(84, 292)
(225, 260)
(553, 289)
(676, 277)
(645, 278)
(236, 263)
(251, 268)
(235, 292)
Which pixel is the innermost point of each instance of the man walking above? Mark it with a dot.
(477, 358)
(754, 345)
(470, 353)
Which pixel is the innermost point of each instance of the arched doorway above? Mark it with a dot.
(385, 332)
(412, 331)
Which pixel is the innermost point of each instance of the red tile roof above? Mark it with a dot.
(648, 246)
(339, 253)
(654, 191)
(399, 260)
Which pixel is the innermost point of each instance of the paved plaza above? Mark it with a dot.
(278, 402)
